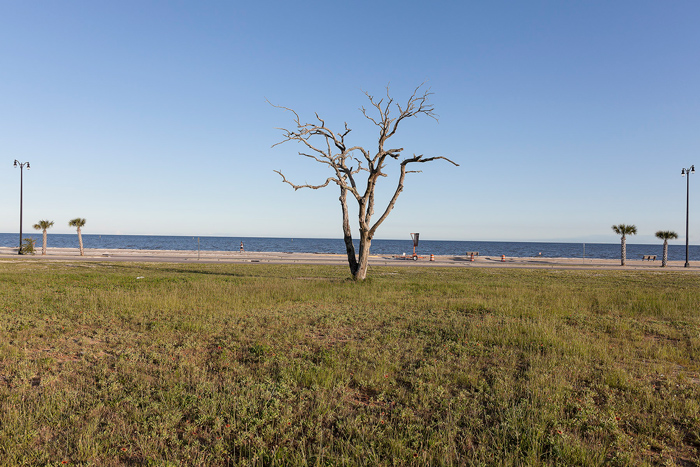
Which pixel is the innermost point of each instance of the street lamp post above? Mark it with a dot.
(21, 182)
(687, 172)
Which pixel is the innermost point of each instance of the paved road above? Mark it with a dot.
(120, 255)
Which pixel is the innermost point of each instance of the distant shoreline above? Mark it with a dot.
(253, 257)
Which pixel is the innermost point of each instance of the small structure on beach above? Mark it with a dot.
(414, 237)
(414, 256)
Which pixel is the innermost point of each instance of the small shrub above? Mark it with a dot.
(28, 246)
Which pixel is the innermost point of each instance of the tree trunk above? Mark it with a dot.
(80, 241)
(347, 233)
(363, 261)
(664, 258)
(623, 251)
(43, 246)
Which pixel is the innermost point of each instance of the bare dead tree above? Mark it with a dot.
(346, 163)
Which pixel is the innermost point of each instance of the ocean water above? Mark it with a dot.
(676, 252)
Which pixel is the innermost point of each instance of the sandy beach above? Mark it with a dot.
(252, 257)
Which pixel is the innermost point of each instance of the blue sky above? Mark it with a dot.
(150, 117)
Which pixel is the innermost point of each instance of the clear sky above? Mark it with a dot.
(150, 117)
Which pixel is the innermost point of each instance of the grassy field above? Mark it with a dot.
(170, 364)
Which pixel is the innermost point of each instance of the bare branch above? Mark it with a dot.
(395, 153)
(317, 159)
(399, 187)
(429, 159)
(364, 112)
(313, 187)
(392, 202)
(415, 106)
(296, 116)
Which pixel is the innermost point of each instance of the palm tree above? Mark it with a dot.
(43, 225)
(624, 230)
(78, 223)
(666, 235)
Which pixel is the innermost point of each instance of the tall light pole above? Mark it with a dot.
(21, 182)
(687, 172)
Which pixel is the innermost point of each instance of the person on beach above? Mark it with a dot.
(241, 247)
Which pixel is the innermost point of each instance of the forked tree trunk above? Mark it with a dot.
(623, 252)
(43, 246)
(358, 263)
(664, 258)
(80, 241)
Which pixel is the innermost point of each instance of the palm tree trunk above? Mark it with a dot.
(664, 258)
(43, 246)
(80, 241)
(623, 251)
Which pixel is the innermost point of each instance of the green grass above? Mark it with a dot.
(169, 364)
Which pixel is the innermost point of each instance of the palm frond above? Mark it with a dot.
(43, 225)
(77, 222)
(666, 235)
(625, 229)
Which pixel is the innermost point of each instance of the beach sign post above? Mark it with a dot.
(414, 237)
